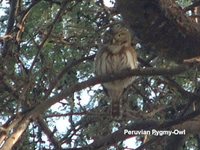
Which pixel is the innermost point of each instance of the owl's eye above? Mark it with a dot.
(119, 35)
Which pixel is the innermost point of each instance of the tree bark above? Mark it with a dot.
(15, 136)
(163, 26)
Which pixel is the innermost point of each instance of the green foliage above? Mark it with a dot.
(53, 48)
(184, 3)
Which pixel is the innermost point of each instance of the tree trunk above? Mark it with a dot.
(163, 26)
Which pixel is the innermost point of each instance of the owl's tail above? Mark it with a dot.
(116, 107)
(116, 103)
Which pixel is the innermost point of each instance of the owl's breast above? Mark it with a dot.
(107, 62)
(113, 63)
(114, 49)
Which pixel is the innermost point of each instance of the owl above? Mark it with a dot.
(116, 54)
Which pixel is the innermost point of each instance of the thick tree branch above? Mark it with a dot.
(162, 25)
(96, 80)
(138, 125)
(41, 108)
(8, 127)
(48, 132)
(118, 135)
(21, 24)
(11, 21)
(18, 131)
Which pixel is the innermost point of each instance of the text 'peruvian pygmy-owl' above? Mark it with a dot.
(115, 55)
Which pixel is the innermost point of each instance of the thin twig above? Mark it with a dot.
(62, 9)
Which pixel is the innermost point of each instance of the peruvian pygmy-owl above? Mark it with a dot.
(116, 54)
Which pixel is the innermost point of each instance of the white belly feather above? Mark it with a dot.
(116, 63)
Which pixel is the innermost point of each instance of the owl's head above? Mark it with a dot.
(121, 36)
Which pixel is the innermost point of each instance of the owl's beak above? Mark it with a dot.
(113, 41)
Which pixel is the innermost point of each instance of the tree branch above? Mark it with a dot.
(11, 21)
(66, 69)
(48, 133)
(40, 108)
(138, 125)
(21, 127)
(51, 27)
(106, 78)
(162, 25)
